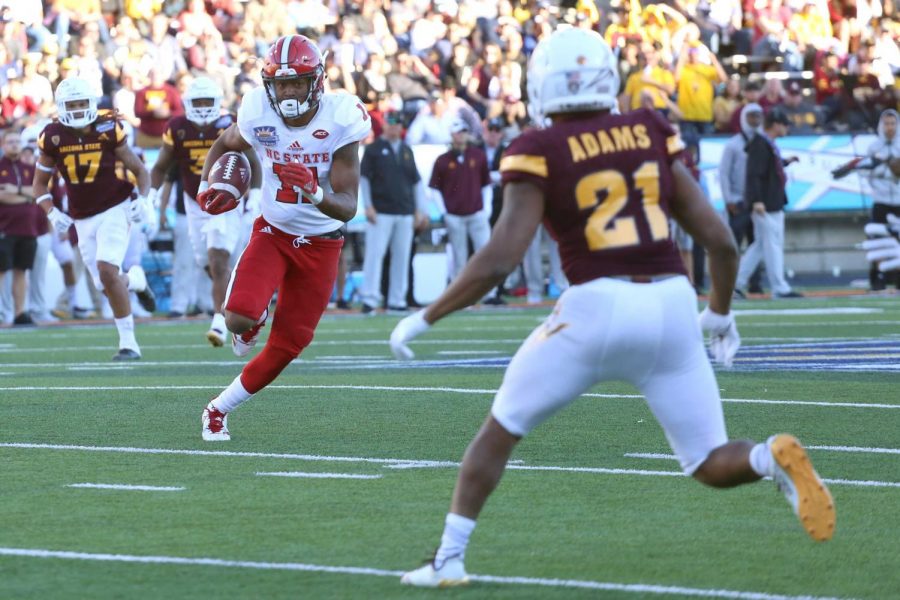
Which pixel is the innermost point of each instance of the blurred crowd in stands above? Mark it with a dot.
(831, 64)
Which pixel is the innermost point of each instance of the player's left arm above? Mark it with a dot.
(523, 211)
(342, 202)
(136, 166)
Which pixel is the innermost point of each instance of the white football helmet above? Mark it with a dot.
(73, 89)
(202, 88)
(573, 70)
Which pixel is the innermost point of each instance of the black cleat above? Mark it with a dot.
(126, 354)
(147, 299)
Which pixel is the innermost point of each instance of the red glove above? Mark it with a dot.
(299, 176)
(216, 202)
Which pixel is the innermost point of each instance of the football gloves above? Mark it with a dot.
(135, 209)
(882, 247)
(407, 330)
(303, 180)
(724, 339)
(216, 202)
(60, 221)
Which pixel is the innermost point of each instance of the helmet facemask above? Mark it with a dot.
(202, 110)
(76, 103)
(292, 108)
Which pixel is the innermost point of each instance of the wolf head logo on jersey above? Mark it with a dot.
(294, 58)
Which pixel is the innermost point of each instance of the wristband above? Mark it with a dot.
(45, 169)
(42, 197)
(316, 198)
(204, 185)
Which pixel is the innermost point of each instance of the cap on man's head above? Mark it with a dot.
(752, 86)
(794, 88)
(458, 126)
(393, 118)
(776, 115)
(496, 124)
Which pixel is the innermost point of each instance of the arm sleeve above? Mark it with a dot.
(756, 167)
(524, 160)
(725, 166)
(436, 175)
(365, 191)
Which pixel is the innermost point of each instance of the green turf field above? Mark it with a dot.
(593, 507)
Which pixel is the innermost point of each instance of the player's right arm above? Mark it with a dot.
(161, 167)
(230, 140)
(694, 212)
(43, 171)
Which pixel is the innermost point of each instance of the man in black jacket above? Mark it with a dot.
(765, 193)
(391, 191)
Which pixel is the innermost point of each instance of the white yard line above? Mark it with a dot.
(122, 486)
(391, 388)
(395, 463)
(301, 474)
(639, 588)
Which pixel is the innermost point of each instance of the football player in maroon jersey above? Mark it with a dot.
(605, 185)
(186, 141)
(84, 145)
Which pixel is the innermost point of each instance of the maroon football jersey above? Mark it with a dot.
(607, 183)
(191, 144)
(87, 161)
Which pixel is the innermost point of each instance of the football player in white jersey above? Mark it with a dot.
(308, 145)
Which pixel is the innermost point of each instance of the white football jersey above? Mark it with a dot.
(341, 119)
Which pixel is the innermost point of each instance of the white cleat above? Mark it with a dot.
(452, 573)
(215, 425)
(216, 333)
(242, 344)
(801, 485)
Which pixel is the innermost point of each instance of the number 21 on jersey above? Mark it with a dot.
(604, 230)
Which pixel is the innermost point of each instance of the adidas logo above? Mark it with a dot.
(295, 145)
(266, 229)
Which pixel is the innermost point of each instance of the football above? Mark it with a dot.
(230, 173)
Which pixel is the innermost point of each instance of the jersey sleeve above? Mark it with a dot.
(674, 144)
(353, 119)
(120, 136)
(248, 112)
(167, 137)
(46, 146)
(437, 173)
(524, 160)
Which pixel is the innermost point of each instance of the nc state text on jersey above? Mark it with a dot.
(617, 139)
(304, 157)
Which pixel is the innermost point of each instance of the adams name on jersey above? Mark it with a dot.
(341, 119)
(608, 186)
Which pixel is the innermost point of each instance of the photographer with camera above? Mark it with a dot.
(882, 161)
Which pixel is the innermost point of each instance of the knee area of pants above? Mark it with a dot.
(238, 323)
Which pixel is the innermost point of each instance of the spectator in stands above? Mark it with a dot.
(725, 105)
(165, 49)
(804, 117)
(828, 84)
(389, 186)
(810, 28)
(154, 105)
(772, 94)
(697, 72)
(653, 76)
(884, 180)
(462, 177)
(15, 105)
(751, 94)
(36, 86)
(765, 192)
(867, 99)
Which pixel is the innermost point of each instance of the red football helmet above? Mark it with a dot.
(294, 57)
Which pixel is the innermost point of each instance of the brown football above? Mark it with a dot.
(230, 173)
